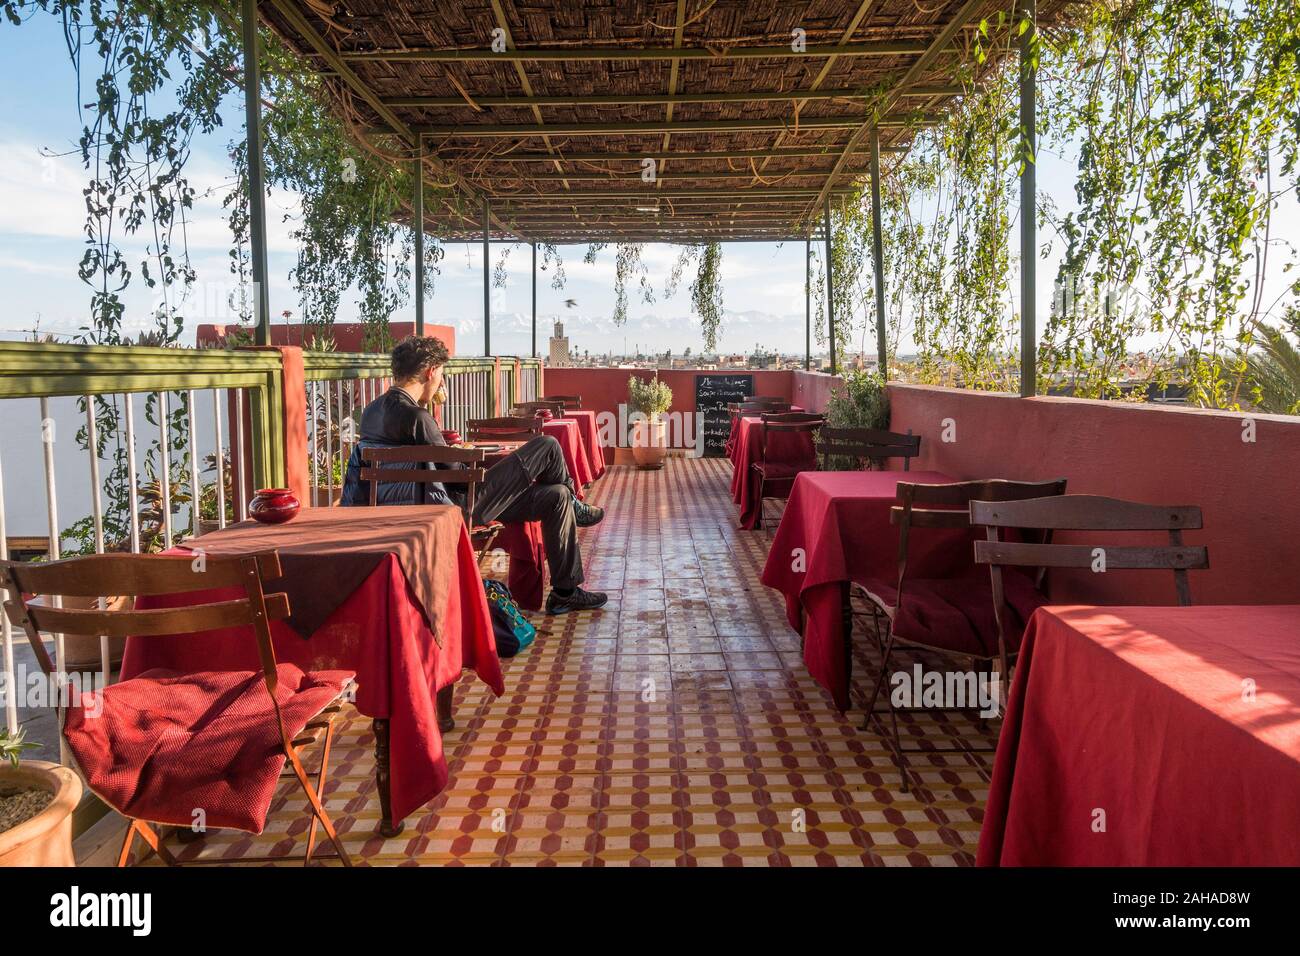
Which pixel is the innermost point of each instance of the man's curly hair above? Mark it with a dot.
(412, 356)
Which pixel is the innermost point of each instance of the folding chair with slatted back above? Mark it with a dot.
(507, 428)
(869, 446)
(1086, 513)
(776, 478)
(532, 409)
(953, 607)
(373, 461)
(143, 754)
(569, 402)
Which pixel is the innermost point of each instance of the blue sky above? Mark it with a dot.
(41, 219)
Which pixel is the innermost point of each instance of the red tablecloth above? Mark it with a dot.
(590, 433)
(791, 448)
(730, 444)
(836, 529)
(565, 431)
(523, 542)
(1182, 725)
(380, 633)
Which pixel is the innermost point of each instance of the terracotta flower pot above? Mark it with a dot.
(273, 506)
(649, 444)
(45, 839)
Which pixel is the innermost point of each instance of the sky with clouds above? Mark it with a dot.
(42, 218)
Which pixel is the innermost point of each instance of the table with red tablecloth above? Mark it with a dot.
(380, 630)
(567, 433)
(794, 449)
(1150, 736)
(591, 442)
(835, 530)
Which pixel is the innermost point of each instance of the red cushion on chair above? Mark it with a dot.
(956, 614)
(167, 744)
(777, 470)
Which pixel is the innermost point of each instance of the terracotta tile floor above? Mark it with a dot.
(676, 727)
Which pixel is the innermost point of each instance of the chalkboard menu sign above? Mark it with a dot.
(713, 393)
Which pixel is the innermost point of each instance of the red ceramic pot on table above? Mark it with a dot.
(273, 506)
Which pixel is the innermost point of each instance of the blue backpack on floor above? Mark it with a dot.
(510, 628)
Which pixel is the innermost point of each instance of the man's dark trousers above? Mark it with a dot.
(533, 484)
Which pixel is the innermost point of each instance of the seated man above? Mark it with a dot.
(532, 484)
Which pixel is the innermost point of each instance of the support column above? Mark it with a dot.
(830, 289)
(807, 304)
(534, 300)
(878, 255)
(1028, 206)
(256, 175)
(418, 225)
(487, 280)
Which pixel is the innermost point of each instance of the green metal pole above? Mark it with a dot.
(807, 304)
(487, 282)
(256, 175)
(418, 223)
(534, 300)
(878, 255)
(830, 290)
(1028, 207)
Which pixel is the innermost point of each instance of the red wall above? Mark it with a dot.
(813, 390)
(1150, 453)
(348, 336)
(604, 389)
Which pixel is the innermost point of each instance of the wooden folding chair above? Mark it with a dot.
(506, 428)
(102, 576)
(933, 507)
(471, 476)
(776, 478)
(570, 402)
(868, 446)
(1086, 513)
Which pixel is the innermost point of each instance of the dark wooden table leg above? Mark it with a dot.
(446, 721)
(384, 780)
(846, 617)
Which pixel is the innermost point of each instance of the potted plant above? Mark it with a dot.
(208, 494)
(649, 399)
(36, 804)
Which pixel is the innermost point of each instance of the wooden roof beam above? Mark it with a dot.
(576, 54)
(484, 130)
(653, 99)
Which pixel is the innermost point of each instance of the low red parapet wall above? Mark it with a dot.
(348, 336)
(604, 389)
(1151, 453)
(813, 390)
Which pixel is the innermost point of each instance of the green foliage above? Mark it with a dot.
(13, 745)
(706, 294)
(650, 397)
(1273, 369)
(861, 402)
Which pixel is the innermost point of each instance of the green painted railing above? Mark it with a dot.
(47, 370)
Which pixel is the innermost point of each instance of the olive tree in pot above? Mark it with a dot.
(36, 804)
(649, 399)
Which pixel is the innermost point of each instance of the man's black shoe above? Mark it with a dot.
(579, 600)
(587, 515)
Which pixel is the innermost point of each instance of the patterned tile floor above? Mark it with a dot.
(676, 727)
